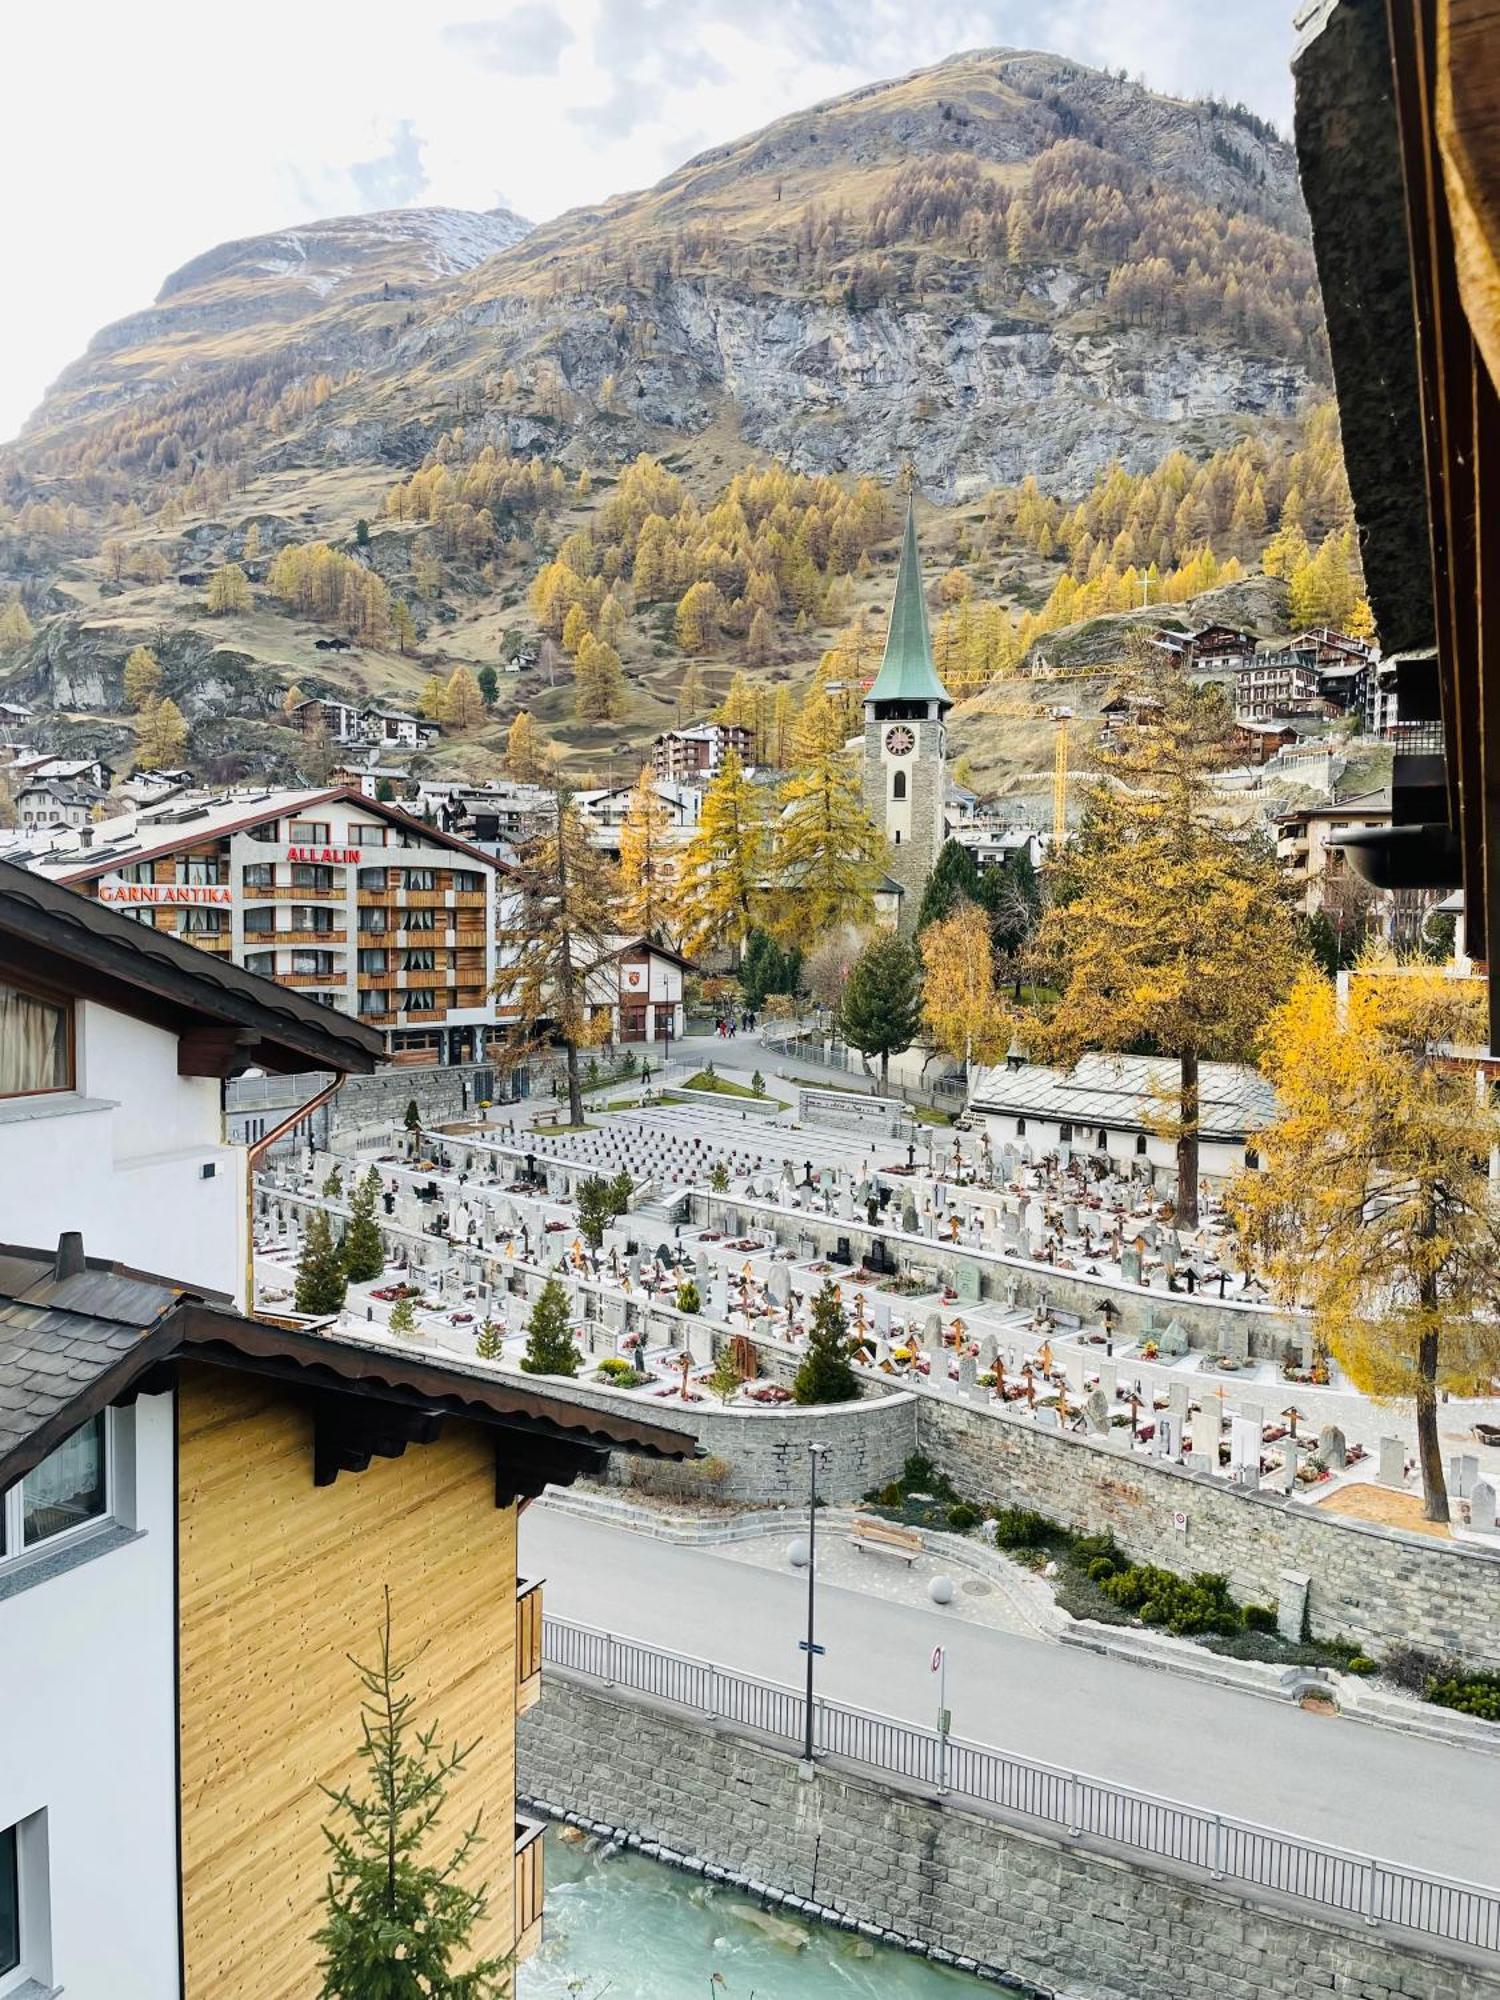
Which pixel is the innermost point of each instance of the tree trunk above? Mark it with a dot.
(1186, 1216)
(885, 1071)
(575, 1089)
(1429, 1448)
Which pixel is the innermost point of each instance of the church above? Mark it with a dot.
(906, 737)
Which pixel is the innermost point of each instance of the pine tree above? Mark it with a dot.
(724, 1379)
(829, 851)
(228, 589)
(594, 1199)
(142, 678)
(824, 1374)
(364, 1247)
(645, 869)
(562, 923)
(766, 969)
(954, 879)
(489, 685)
(881, 1014)
(321, 1284)
(550, 1347)
(403, 1319)
(396, 1924)
(722, 882)
(161, 735)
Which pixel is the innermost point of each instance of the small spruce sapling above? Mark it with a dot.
(333, 1187)
(403, 1320)
(724, 1380)
(364, 1247)
(397, 1923)
(488, 1341)
(718, 1180)
(596, 1209)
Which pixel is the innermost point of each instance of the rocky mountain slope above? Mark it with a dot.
(1006, 265)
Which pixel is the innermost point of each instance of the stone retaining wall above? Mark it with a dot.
(1377, 1586)
(1045, 1916)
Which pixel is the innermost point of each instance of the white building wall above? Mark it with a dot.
(124, 1159)
(87, 1696)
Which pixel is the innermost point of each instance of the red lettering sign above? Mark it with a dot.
(166, 893)
(339, 854)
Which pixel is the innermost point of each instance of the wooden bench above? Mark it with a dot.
(886, 1538)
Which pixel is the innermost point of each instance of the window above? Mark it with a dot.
(367, 836)
(467, 882)
(424, 879)
(898, 785)
(422, 1002)
(423, 959)
(372, 961)
(374, 1003)
(66, 1491)
(199, 869)
(419, 920)
(372, 878)
(306, 918)
(259, 923)
(1020, 1128)
(304, 876)
(260, 875)
(312, 961)
(10, 1902)
(204, 922)
(262, 962)
(1140, 1142)
(309, 833)
(373, 921)
(1064, 1135)
(36, 1043)
(265, 833)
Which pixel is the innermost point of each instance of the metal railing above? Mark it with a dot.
(1226, 1850)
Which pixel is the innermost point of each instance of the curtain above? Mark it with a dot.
(33, 1044)
(67, 1487)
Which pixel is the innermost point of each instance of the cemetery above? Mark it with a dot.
(1034, 1325)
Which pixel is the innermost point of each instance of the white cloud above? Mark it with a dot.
(183, 127)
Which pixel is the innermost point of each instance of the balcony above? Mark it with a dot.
(335, 936)
(310, 979)
(528, 1644)
(530, 1886)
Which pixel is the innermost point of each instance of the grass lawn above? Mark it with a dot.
(723, 1087)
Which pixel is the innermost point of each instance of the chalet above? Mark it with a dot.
(1210, 648)
(1308, 842)
(43, 804)
(699, 753)
(200, 1507)
(395, 729)
(341, 720)
(1277, 683)
(1258, 742)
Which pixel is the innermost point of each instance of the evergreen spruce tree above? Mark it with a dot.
(403, 1320)
(413, 1119)
(321, 1283)
(489, 1341)
(364, 1247)
(954, 878)
(881, 1012)
(824, 1374)
(396, 1921)
(550, 1348)
(596, 1209)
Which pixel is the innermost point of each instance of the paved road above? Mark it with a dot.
(1363, 1789)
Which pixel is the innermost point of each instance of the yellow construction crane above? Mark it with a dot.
(1060, 786)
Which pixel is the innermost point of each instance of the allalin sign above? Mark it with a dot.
(324, 854)
(113, 890)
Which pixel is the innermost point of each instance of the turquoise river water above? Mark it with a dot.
(619, 1927)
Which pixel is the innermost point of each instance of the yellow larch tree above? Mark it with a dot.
(16, 628)
(463, 702)
(228, 590)
(161, 733)
(1374, 1204)
(527, 757)
(142, 678)
(829, 853)
(722, 884)
(647, 856)
(962, 1008)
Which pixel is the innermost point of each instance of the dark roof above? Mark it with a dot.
(71, 1345)
(80, 947)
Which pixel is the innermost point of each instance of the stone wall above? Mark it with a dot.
(1047, 1916)
(1376, 1586)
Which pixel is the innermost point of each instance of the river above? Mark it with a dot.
(620, 1926)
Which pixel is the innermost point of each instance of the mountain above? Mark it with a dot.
(1003, 266)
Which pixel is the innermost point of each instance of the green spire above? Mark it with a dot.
(906, 671)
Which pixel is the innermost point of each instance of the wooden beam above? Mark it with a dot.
(1468, 128)
(350, 1430)
(215, 1050)
(526, 1463)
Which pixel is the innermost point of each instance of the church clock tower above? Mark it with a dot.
(906, 738)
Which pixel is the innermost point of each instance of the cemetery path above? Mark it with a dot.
(1324, 1778)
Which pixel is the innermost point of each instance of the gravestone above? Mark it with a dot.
(1333, 1448)
(967, 1370)
(966, 1283)
(1130, 1265)
(1168, 1437)
(1392, 1462)
(1291, 1458)
(1244, 1445)
(1096, 1410)
(932, 1333)
(1172, 1341)
(1109, 1380)
(1463, 1470)
(1047, 1419)
(1482, 1504)
(1177, 1401)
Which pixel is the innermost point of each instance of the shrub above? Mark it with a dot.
(1470, 1694)
(1259, 1617)
(1360, 1663)
(1100, 1568)
(920, 1475)
(890, 1496)
(962, 1517)
(1415, 1670)
(614, 1368)
(1089, 1548)
(1020, 1528)
(688, 1300)
(1185, 1605)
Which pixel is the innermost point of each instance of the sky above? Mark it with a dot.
(150, 133)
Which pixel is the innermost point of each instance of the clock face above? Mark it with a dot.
(899, 741)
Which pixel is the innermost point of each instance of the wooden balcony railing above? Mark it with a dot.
(530, 1886)
(309, 978)
(335, 936)
(528, 1643)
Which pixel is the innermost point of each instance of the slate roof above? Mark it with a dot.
(1127, 1093)
(60, 1336)
(906, 670)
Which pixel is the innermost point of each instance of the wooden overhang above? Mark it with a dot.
(226, 1020)
(125, 1334)
(1398, 139)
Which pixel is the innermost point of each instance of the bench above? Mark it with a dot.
(885, 1538)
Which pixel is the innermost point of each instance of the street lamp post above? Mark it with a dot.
(809, 1645)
